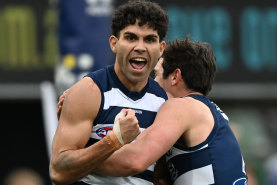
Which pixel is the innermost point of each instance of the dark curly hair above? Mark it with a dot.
(145, 11)
(196, 61)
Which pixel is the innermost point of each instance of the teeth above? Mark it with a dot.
(139, 59)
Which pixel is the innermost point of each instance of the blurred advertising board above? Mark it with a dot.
(59, 41)
(28, 47)
(62, 40)
(84, 31)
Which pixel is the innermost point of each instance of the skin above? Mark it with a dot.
(70, 159)
(164, 83)
(136, 42)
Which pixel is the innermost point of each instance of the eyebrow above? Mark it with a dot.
(150, 35)
(129, 33)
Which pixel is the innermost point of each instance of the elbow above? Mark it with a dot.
(132, 165)
(138, 166)
(57, 178)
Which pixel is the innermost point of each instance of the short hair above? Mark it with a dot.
(145, 12)
(196, 61)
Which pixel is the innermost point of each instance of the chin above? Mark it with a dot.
(137, 79)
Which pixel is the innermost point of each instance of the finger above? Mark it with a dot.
(124, 110)
(116, 126)
(59, 112)
(61, 100)
(130, 112)
(64, 94)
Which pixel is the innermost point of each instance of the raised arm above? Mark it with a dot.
(70, 160)
(170, 123)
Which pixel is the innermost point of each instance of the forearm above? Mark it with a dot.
(138, 155)
(121, 163)
(72, 165)
(131, 159)
(149, 146)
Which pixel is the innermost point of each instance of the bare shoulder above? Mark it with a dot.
(84, 90)
(85, 86)
(174, 109)
(179, 104)
(83, 98)
(183, 108)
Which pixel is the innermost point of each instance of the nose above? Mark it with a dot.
(140, 46)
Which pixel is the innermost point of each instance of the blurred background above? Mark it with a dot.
(47, 45)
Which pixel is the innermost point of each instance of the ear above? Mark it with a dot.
(176, 77)
(162, 46)
(113, 41)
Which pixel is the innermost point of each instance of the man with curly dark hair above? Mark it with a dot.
(88, 131)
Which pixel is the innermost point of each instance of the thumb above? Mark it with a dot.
(116, 126)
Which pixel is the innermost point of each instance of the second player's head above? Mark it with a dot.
(196, 61)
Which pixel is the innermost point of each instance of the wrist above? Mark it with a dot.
(112, 140)
(116, 126)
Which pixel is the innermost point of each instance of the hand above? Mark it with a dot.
(60, 103)
(129, 127)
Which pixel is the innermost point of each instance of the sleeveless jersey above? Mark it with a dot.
(216, 161)
(115, 96)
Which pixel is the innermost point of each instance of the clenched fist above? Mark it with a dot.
(126, 126)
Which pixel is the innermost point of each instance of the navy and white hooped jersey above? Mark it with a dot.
(115, 96)
(216, 161)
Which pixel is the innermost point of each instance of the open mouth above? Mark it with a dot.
(138, 63)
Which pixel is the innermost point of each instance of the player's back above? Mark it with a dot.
(217, 160)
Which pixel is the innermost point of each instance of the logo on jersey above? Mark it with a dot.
(102, 132)
(138, 111)
(221, 112)
(241, 181)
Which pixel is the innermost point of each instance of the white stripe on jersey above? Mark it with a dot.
(101, 180)
(175, 151)
(200, 176)
(149, 102)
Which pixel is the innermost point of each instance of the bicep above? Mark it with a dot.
(79, 110)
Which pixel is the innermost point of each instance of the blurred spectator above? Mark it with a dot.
(23, 176)
(249, 128)
(271, 170)
(251, 174)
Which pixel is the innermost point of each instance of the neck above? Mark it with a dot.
(194, 92)
(136, 86)
(185, 93)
